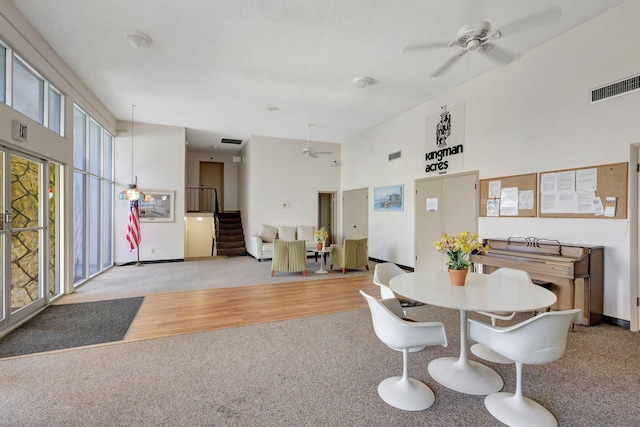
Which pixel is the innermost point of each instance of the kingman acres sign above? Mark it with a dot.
(445, 133)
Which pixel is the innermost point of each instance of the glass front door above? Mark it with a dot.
(28, 229)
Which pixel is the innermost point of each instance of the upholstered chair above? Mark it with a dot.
(289, 257)
(538, 340)
(351, 254)
(392, 329)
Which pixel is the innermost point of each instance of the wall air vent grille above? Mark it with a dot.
(396, 155)
(231, 141)
(622, 87)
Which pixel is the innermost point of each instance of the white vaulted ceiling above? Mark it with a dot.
(218, 67)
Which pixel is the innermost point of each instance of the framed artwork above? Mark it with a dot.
(157, 206)
(389, 198)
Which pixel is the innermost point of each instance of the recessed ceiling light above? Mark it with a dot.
(137, 39)
(363, 81)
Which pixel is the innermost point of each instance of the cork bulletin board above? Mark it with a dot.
(604, 186)
(520, 190)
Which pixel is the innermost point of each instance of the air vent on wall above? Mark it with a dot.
(618, 88)
(395, 155)
(231, 141)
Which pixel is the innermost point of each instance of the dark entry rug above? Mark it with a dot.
(72, 325)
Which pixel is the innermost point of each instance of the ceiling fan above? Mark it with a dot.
(310, 152)
(478, 37)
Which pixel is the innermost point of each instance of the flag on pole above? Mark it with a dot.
(133, 228)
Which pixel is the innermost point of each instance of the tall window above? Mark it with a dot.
(93, 196)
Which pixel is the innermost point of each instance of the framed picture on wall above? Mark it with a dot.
(389, 198)
(157, 206)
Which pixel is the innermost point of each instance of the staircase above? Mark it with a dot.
(229, 235)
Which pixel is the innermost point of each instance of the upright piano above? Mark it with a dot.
(575, 273)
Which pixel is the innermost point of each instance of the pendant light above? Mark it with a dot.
(131, 192)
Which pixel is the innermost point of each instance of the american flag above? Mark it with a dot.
(133, 228)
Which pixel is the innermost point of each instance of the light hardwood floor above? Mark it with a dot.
(205, 310)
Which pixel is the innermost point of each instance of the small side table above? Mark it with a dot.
(322, 253)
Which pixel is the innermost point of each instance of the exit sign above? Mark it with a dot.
(19, 131)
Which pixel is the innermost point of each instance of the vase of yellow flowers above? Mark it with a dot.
(457, 249)
(320, 236)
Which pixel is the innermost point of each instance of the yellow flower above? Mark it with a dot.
(458, 248)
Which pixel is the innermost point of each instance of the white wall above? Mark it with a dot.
(530, 116)
(20, 36)
(230, 174)
(273, 171)
(156, 152)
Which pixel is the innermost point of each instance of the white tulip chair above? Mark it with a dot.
(536, 341)
(403, 392)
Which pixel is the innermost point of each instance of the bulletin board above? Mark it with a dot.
(525, 186)
(610, 190)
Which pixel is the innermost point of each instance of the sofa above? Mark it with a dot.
(260, 246)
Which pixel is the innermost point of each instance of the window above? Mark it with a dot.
(28, 91)
(93, 196)
(55, 111)
(79, 139)
(3, 73)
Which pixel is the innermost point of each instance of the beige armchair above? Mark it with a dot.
(289, 257)
(351, 254)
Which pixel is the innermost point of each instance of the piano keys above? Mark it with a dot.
(575, 272)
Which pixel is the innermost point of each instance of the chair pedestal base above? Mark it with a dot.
(521, 412)
(465, 376)
(408, 395)
(485, 353)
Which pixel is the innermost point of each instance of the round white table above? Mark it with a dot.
(481, 292)
(322, 253)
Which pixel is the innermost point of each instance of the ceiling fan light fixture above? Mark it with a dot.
(363, 81)
(137, 39)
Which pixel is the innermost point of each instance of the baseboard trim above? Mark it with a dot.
(154, 261)
(404, 267)
(616, 322)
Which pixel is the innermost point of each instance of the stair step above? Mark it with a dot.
(231, 238)
(230, 225)
(222, 252)
(230, 231)
(230, 245)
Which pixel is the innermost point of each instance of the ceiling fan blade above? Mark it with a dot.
(427, 45)
(312, 154)
(444, 67)
(497, 54)
(322, 152)
(531, 21)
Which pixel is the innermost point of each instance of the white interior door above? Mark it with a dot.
(446, 204)
(355, 214)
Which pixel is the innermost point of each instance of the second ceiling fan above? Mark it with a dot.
(309, 151)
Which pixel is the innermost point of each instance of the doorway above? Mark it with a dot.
(327, 214)
(355, 214)
(446, 204)
(29, 224)
(211, 177)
